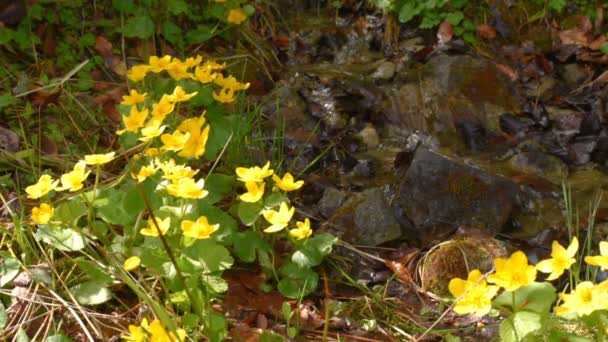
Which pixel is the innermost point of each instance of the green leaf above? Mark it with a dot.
(218, 327)
(215, 284)
(9, 269)
(153, 259)
(458, 3)
(407, 12)
(313, 250)
(140, 26)
(221, 132)
(172, 33)
(7, 99)
(297, 281)
(204, 97)
(218, 185)
(87, 39)
(177, 7)
(286, 311)
(58, 338)
(94, 271)
(521, 324)
(126, 6)
(249, 212)
(274, 200)
(269, 336)
(209, 256)
(454, 18)
(21, 336)
(3, 316)
(536, 297)
(63, 239)
(228, 224)
(70, 211)
(603, 48)
(200, 35)
(247, 243)
(557, 5)
(91, 293)
(562, 336)
(119, 207)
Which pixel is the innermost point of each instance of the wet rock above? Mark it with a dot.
(580, 150)
(532, 159)
(365, 168)
(9, 140)
(365, 218)
(515, 125)
(450, 96)
(541, 89)
(565, 119)
(439, 194)
(369, 137)
(385, 71)
(332, 200)
(456, 258)
(284, 103)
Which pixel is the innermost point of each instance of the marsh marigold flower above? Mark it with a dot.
(158, 64)
(145, 172)
(162, 108)
(599, 260)
(134, 121)
(178, 70)
(133, 98)
(254, 174)
(303, 231)
(132, 263)
(180, 95)
(278, 219)
(224, 95)
(152, 130)
(199, 229)
(513, 273)
(236, 16)
(195, 145)
(583, 300)
(73, 179)
(254, 192)
(42, 214)
(44, 185)
(287, 183)
(476, 294)
(151, 230)
(187, 188)
(99, 159)
(174, 141)
(138, 72)
(561, 259)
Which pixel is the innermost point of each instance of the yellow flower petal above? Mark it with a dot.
(132, 263)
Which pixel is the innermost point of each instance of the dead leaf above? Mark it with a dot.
(48, 146)
(597, 43)
(486, 31)
(400, 271)
(573, 37)
(282, 40)
(103, 46)
(507, 70)
(445, 33)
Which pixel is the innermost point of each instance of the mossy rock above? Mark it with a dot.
(456, 258)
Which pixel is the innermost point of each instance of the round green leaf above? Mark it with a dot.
(91, 293)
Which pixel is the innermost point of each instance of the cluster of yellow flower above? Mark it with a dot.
(474, 295)
(192, 68)
(253, 178)
(153, 332)
(72, 181)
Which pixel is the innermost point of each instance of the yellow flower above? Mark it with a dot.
(236, 16)
(159, 334)
(145, 172)
(174, 172)
(152, 152)
(585, 299)
(151, 230)
(195, 145)
(278, 219)
(42, 214)
(254, 174)
(133, 98)
(225, 95)
(254, 192)
(178, 70)
(204, 74)
(136, 333)
(192, 62)
(175, 141)
(600, 260)
(134, 121)
(138, 72)
(187, 188)
(73, 179)
(561, 259)
(513, 273)
(99, 159)
(287, 183)
(180, 95)
(132, 263)
(44, 185)
(230, 82)
(152, 130)
(212, 65)
(159, 64)
(201, 229)
(476, 294)
(303, 231)
(162, 108)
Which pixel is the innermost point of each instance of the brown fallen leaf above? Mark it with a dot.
(486, 31)
(445, 33)
(103, 46)
(597, 43)
(507, 70)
